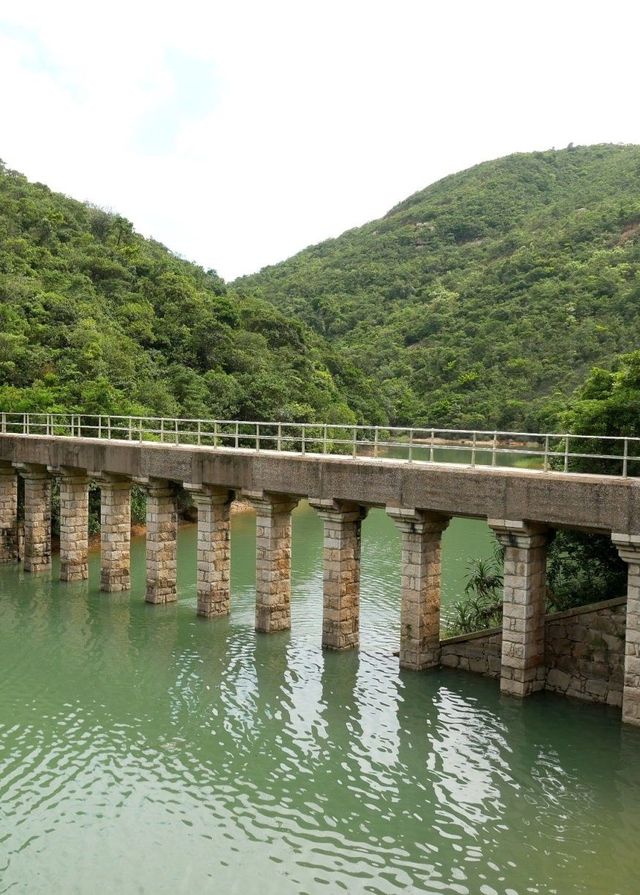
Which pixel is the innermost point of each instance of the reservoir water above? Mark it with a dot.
(145, 750)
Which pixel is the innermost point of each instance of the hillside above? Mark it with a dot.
(95, 318)
(484, 299)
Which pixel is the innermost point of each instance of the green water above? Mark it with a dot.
(145, 750)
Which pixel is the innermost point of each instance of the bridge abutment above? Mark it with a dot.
(421, 535)
(629, 550)
(8, 513)
(115, 534)
(273, 559)
(37, 517)
(213, 558)
(341, 573)
(522, 668)
(74, 525)
(161, 547)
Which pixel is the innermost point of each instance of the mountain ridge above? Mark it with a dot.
(485, 298)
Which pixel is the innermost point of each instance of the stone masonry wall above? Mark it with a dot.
(584, 651)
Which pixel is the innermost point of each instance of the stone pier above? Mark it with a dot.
(213, 562)
(115, 534)
(341, 577)
(162, 534)
(421, 580)
(522, 668)
(37, 518)
(74, 525)
(629, 550)
(273, 559)
(8, 513)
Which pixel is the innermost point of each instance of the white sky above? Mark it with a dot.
(239, 132)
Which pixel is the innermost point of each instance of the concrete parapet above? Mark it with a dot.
(273, 559)
(341, 573)
(525, 557)
(213, 561)
(37, 517)
(74, 525)
(421, 585)
(115, 533)
(162, 534)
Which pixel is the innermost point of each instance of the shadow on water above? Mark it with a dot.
(145, 749)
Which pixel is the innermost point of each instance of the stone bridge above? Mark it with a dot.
(520, 505)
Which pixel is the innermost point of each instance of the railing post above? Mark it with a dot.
(375, 442)
(566, 453)
(130, 430)
(431, 454)
(546, 453)
(100, 426)
(237, 434)
(625, 459)
(161, 430)
(494, 449)
(279, 441)
(215, 433)
(199, 432)
(4, 423)
(257, 436)
(177, 437)
(355, 443)
(27, 425)
(473, 449)
(109, 428)
(410, 445)
(304, 446)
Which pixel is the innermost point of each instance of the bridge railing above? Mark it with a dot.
(547, 452)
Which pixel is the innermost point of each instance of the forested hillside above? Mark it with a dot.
(95, 318)
(485, 299)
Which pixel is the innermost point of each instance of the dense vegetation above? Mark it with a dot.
(485, 299)
(95, 318)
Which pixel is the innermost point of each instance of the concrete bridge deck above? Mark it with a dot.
(520, 504)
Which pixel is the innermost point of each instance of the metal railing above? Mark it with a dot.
(548, 452)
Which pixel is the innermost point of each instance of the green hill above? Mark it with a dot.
(95, 318)
(485, 299)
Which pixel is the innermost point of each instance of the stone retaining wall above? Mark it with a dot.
(584, 651)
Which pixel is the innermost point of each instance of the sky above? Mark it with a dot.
(239, 132)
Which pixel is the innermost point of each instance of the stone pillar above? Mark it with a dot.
(8, 513)
(74, 525)
(629, 550)
(341, 584)
(273, 560)
(522, 670)
(37, 518)
(214, 565)
(421, 534)
(162, 533)
(115, 534)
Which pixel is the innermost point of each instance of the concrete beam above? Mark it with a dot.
(588, 502)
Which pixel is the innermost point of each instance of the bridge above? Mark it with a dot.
(342, 471)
